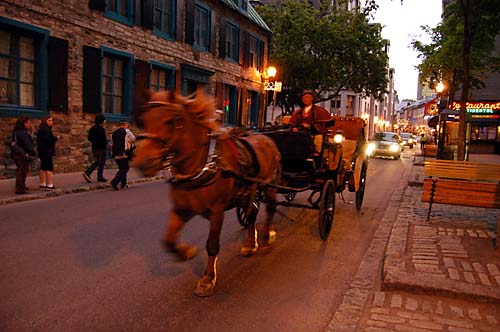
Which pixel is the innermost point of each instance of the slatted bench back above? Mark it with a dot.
(466, 170)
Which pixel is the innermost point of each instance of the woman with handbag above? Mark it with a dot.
(22, 151)
(46, 145)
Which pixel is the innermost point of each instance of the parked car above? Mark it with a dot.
(385, 144)
(408, 139)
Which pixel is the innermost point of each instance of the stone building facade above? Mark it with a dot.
(73, 59)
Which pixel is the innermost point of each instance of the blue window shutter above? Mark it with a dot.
(179, 17)
(97, 5)
(58, 74)
(147, 13)
(189, 22)
(222, 37)
(91, 79)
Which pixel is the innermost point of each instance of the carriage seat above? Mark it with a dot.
(349, 147)
(296, 150)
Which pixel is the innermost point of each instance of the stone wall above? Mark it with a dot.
(80, 26)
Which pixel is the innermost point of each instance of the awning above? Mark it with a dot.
(433, 122)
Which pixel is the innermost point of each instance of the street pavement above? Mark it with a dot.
(416, 276)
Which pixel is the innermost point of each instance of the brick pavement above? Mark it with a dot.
(442, 275)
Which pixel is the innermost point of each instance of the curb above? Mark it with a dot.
(71, 190)
(349, 313)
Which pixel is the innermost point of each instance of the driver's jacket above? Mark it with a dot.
(317, 119)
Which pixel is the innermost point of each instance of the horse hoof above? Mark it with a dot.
(271, 237)
(205, 289)
(188, 252)
(247, 251)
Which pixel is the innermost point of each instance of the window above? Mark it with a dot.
(162, 77)
(254, 53)
(120, 10)
(116, 82)
(232, 42)
(230, 105)
(201, 27)
(23, 68)
(164, 18)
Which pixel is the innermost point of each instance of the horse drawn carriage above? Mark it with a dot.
(211, 171)
(323, 165)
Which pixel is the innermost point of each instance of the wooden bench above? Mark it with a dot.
(461, 183)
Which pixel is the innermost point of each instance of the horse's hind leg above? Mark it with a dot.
(206, 283)
(251, 245)
(171, 236)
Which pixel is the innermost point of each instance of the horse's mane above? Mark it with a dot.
(199, 106)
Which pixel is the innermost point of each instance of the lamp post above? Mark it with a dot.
(270, 86)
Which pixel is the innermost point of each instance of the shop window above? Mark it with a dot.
(120, 10)
(23, 68)
(255, 52)
(108, 82)
(164, 18)
(162, 77)
(230, 105)
(201, 27)
(232, 42)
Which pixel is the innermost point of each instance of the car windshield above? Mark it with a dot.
(389, 137)
(405, 135)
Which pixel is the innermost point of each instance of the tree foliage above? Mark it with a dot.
(462, 48)
(326, 49)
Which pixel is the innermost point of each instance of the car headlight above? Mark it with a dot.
(394, 148)
(338, 138)
(410, 141)
(370, 148)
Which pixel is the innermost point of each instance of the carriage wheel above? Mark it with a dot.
(290, 196)
(242, 216)
(326, 209)
(360, 193)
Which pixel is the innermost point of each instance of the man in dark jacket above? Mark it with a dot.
(97, 136)
(121, 140)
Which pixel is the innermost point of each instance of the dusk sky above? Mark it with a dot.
(401, 24)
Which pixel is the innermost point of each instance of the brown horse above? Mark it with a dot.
(210, 172)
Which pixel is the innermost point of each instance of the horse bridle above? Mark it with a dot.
(167, 156)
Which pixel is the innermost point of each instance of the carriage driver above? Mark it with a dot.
(310, 117)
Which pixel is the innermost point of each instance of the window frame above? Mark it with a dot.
(41, 40)
(199, 7)
(113, 15)
(258, 52)
(172, 23)
(236, 43)
(128, 83)
(170, 71)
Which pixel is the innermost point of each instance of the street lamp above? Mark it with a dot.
(440, 88)
(274, 86)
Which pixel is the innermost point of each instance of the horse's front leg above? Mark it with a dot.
(206, 284)
(172, 233)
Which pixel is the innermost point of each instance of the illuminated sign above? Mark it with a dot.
(479, 107)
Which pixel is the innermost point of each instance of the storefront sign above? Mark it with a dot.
(479, 107)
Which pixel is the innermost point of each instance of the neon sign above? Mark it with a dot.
(478, 107)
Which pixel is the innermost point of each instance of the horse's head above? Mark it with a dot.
(173, 125)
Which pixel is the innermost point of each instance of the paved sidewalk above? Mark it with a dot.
(442, 275)
(66, 183)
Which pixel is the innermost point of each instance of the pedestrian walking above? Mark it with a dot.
(97, 138)
(423, 140)
(22, 152)
(46, 146)
(122, 141)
